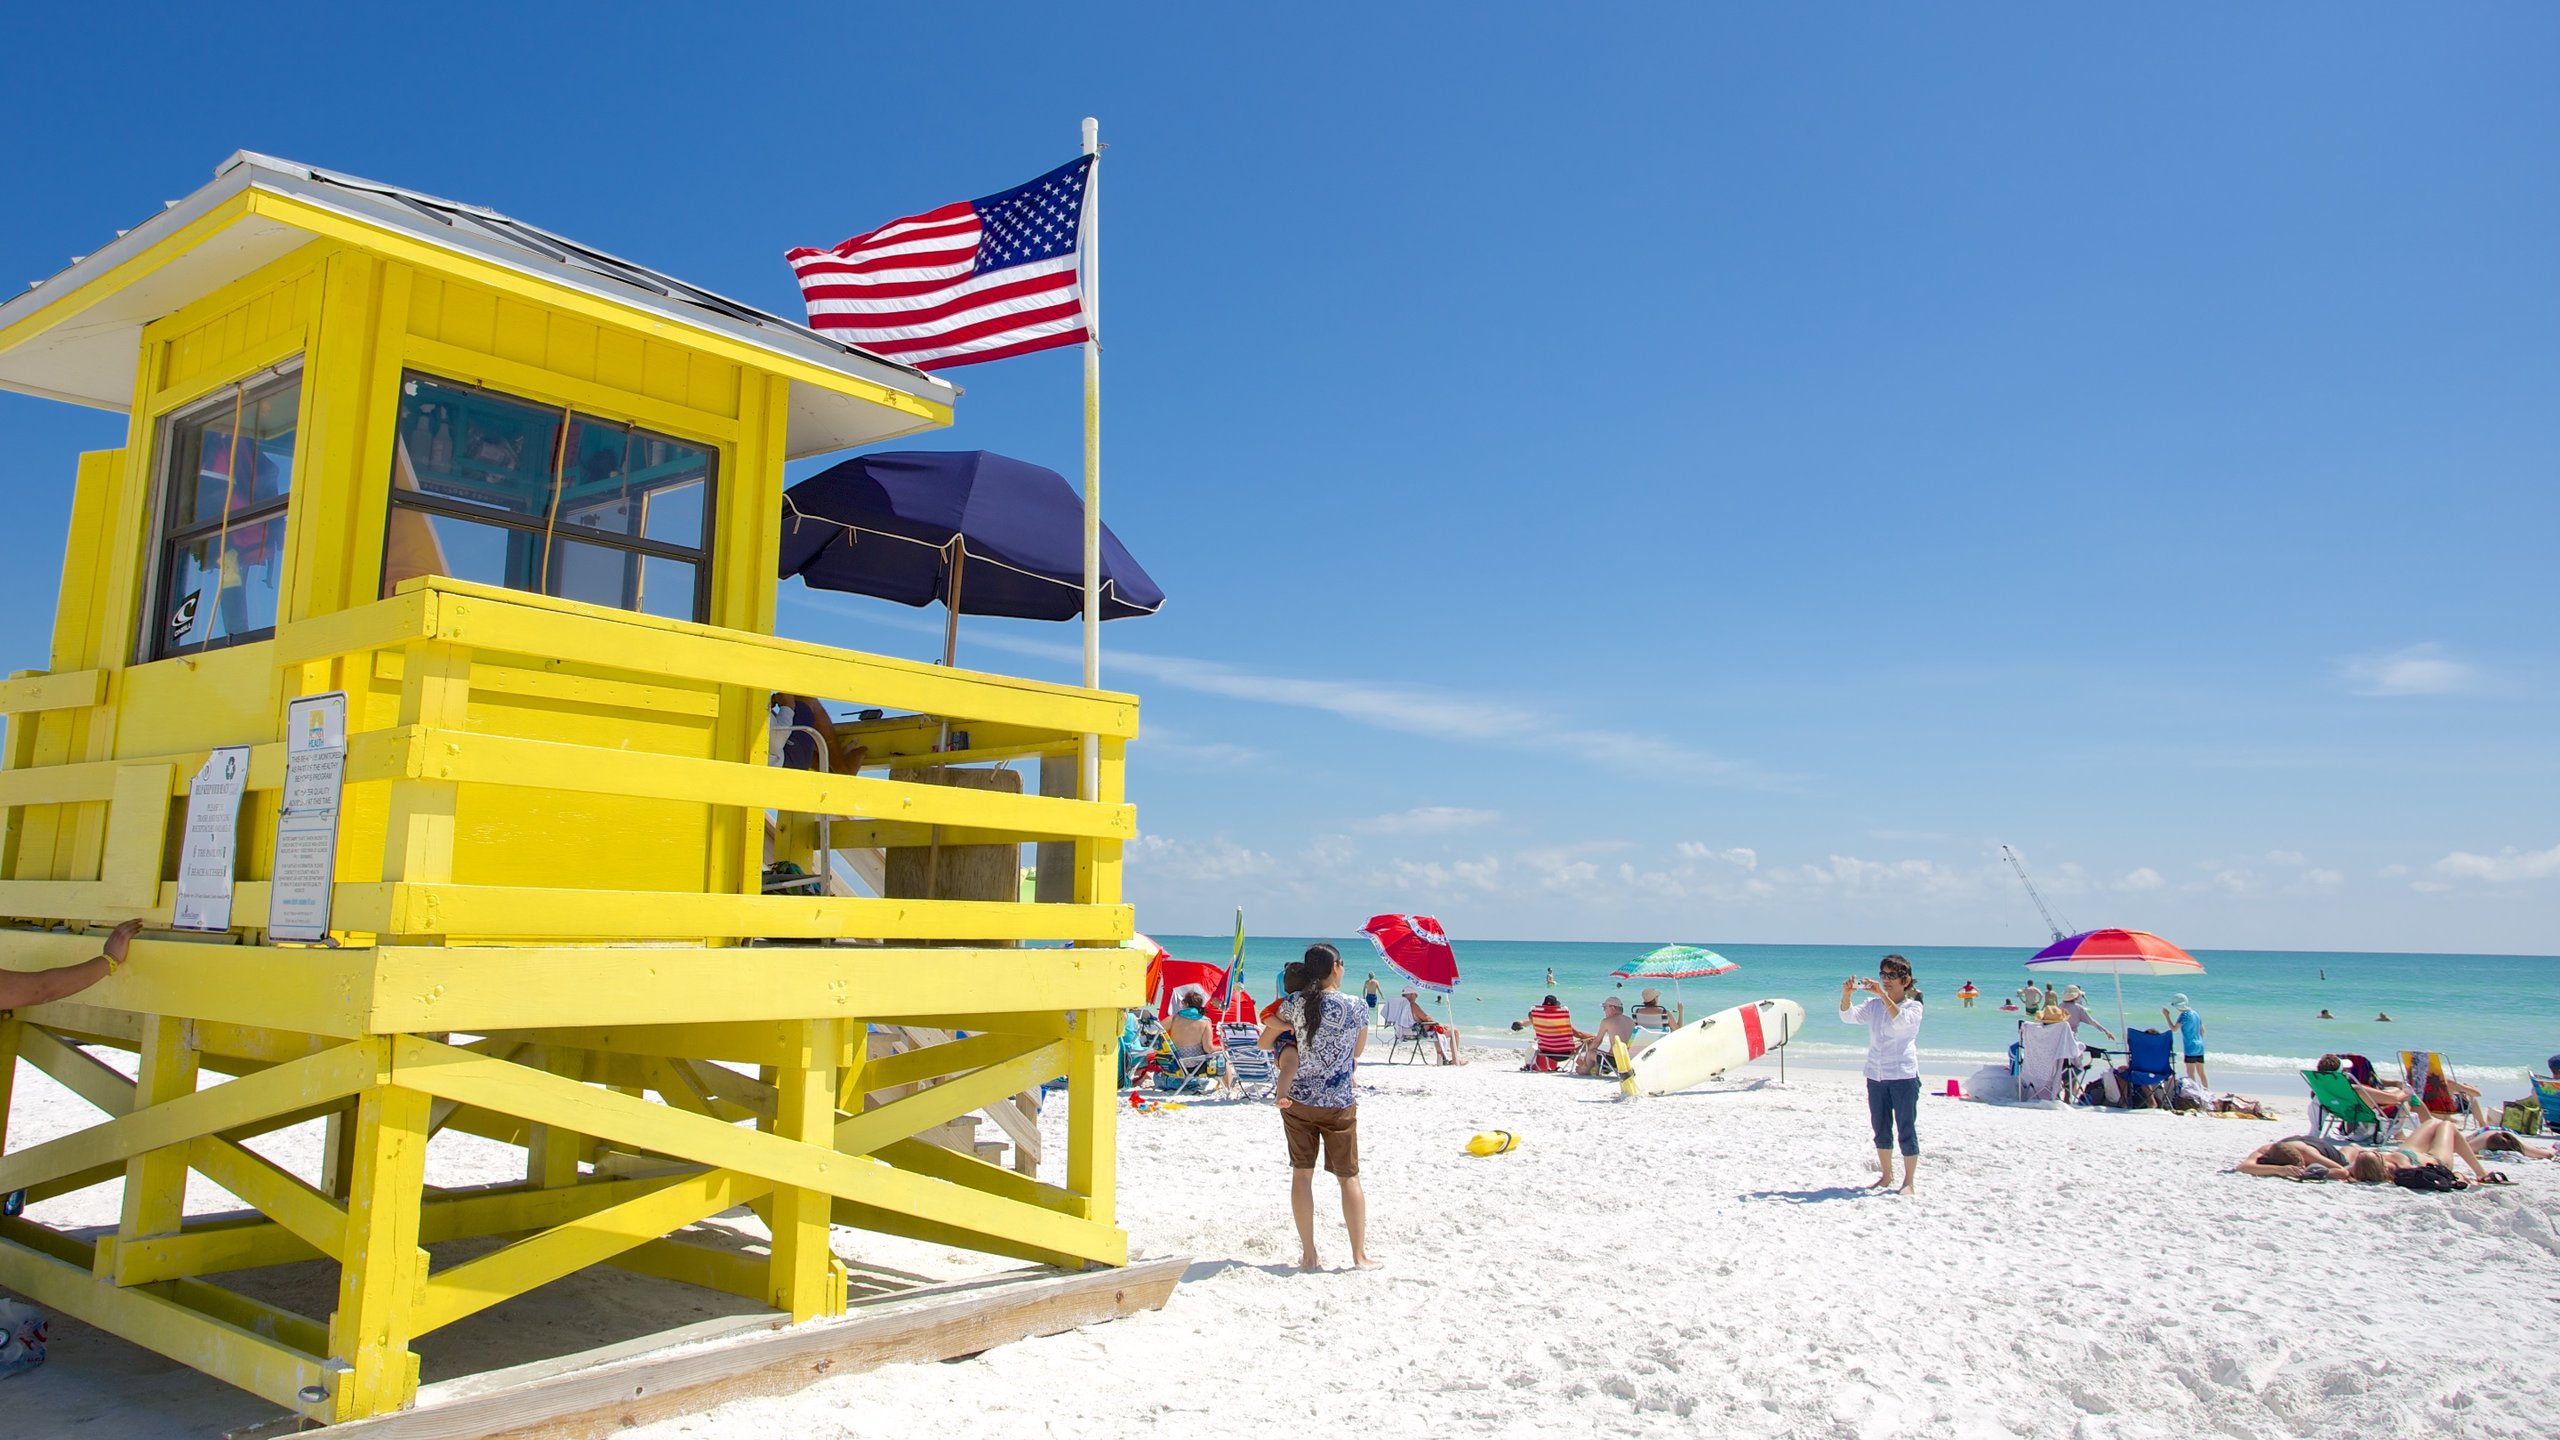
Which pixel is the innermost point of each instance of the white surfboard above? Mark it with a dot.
(1702, 1050)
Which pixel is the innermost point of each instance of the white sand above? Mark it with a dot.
(1699, 1264)
(1696, 1264)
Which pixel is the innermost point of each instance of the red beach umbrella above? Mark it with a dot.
(1416, 947)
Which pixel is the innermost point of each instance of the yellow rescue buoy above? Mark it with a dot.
(1493, 1142)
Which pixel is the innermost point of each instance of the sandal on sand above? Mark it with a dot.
(2496, 1177)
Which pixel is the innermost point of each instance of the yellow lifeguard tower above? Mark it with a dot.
(517, 501)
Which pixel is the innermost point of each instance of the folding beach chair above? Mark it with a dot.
(2044, 1061)
(2149, 1065)
(1404, 1030)
(2432, 1086)
(2335, 1103)
(1556, 1043)
(1249, 1066)
(2546, 1098)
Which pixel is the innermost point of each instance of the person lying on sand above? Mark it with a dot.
(2436, 1141)
(2293, 1157)
(21, 988)
(2305, 1157)
(1614, 1025)
(2501, 1140)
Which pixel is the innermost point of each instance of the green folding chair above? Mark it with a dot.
(2335, 1102)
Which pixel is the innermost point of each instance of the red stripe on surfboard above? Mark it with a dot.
(1751, 1035)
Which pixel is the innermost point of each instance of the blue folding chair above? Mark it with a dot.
(2149, 1063)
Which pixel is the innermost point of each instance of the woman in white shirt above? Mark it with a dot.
(1891, 1013)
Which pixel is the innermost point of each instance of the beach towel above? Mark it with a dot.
(1399, 1014)
(2045, 1051)
(1554, 1024)
(2430, 1083)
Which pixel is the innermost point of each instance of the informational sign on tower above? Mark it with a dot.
(315, 769)
(212, 840)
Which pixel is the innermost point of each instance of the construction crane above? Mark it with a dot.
(2041, 908)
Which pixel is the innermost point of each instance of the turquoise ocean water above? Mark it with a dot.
(2499, 1013)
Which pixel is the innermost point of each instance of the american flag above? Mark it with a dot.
(975, 280)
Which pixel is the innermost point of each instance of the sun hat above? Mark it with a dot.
(1652, 995)
(1613, 1003)
(2051, 1015)
(2074, 992)
(2177, 1002)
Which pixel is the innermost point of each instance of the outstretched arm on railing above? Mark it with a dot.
(20, 988)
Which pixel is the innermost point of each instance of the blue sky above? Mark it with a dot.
(1642, 474)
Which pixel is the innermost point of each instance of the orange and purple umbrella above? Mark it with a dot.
(2115, 952)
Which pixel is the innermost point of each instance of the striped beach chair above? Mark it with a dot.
(1250, 1068)
(1553, 1025)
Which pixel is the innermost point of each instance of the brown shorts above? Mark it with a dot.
(1337, 1126)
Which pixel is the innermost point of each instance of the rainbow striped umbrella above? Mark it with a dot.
(2115, 952)
(1675, 963)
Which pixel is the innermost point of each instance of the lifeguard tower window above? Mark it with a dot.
(504, 491)
(222, 552)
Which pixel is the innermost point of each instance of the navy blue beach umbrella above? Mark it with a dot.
(983, 533)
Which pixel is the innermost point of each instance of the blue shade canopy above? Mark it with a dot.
(888, 525)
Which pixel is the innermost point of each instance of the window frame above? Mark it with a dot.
(701, 557)
(151, 641)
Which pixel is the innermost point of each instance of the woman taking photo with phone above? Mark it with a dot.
(1891, 1013)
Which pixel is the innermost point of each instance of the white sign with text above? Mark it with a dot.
(212, 840)
(315, 768)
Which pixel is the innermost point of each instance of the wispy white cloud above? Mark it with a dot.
(1411, 709)
(2506, 866)
(1162, 742)
(2413, 670)
(2140, 879)
(1742, 856)
(1429, 820)
(1217, 861)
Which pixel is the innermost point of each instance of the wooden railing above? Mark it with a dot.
(443, 640)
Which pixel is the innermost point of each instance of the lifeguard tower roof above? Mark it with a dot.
(76, 336)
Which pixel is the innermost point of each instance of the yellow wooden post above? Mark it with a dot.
(551, 1154)
(9, 1024)
(853, 1053)
(1093, 1114)
(155, 1183)
(417, 844)
(385, 1269)
(803, 1278)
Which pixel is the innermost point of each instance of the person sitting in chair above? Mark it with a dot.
(803, 724)
(1442, 1041)
(1557, 1037)
(1614, 1026)
(1188, 1028)
(1652, 1014)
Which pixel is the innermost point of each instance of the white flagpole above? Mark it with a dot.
(1089, 250)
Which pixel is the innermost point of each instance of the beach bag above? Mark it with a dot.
(2523, 1117)
(2430, 1176)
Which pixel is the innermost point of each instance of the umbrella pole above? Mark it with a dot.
(2124, 1026)
(1089, 745)
(950, 651)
